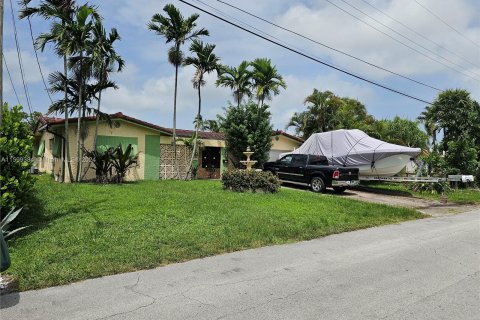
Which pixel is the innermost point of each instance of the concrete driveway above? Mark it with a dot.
(424, 269)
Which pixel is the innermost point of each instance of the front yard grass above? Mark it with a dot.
(459, 196)
(83, 231)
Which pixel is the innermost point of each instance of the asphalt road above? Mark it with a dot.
(424, 269)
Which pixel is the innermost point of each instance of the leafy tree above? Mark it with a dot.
(247, 126)
(56, 10)
(175, 28)
(32, 119)
(352, 114)
(239, 80)
(457, 115)
(461, 157)
(204, 61)
(266, 80)
(404, 132)
(320, 116)
(211, 125)
(16, 146)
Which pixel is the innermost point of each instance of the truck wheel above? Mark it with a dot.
(317, 184)
(339, 189)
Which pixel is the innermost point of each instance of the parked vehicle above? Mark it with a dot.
(314, 171)
(354, 148)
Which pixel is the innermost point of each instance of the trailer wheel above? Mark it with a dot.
(317, 184)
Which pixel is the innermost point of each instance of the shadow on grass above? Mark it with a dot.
(389, 192)
(37, 217)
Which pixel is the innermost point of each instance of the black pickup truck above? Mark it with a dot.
(313, 171)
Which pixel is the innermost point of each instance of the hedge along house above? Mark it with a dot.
(153, 144)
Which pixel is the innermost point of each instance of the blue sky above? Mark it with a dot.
(146, 85)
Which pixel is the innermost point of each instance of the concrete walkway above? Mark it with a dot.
(424, 269)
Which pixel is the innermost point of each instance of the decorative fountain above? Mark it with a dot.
(248, 163)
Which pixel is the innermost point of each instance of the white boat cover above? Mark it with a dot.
(351, 148)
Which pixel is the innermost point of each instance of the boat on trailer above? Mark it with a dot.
(354, 148)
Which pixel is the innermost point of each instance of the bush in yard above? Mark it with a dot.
(247, 125)
(105, 160)
(16, 145)
(244, 181)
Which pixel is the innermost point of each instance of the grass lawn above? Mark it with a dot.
(85, 230)
(460, 196)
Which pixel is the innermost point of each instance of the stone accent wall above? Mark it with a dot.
(167, 160)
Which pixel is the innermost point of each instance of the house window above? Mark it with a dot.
(211, 158)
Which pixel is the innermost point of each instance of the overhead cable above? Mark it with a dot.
(305, 55)
(329, 47)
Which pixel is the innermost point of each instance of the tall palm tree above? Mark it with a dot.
(80, 44)
(239, 80)
(430, 124)
(105, 60)
(204, 61)
(266, 80)
(175, 28)
(323, 107)
(57, 10)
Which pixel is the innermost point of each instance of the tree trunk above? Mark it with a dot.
(175, 161)
(197, 125)
(66, 147)
(97, 118)
(80, 98)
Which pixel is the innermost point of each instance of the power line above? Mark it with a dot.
(448, 25)
(36, 55)
(305, 55)
(20, 62)
(405, 37)
(399, 41)
(246, 25)
(329, 47)
(420, 35)
(11, 80)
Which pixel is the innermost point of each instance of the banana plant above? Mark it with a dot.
(123, 160)
(102, 161)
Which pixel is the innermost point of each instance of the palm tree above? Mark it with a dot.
(58, 81)
(266, 80)
(175, 28)
(237, 79)
(61, 10)
(323, 107)
(106, 60)
(299, 121)
(204, 61)
(80, 42)
(431, 126)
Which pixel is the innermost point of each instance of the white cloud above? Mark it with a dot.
(333, 27)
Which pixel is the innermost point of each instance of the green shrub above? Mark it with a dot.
(244, 181)
(16, 145)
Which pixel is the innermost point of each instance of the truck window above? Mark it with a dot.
(299, 159)
(318, 161)
(286, 159)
